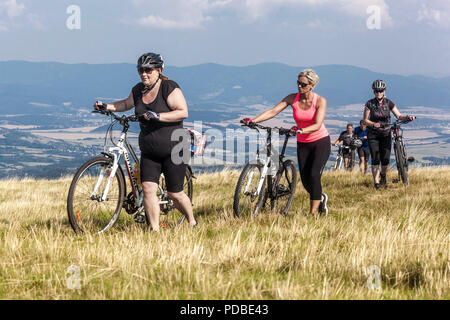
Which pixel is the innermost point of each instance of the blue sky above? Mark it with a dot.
(412, 37)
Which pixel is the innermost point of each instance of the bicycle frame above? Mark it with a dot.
(123, 148)
(267, 164)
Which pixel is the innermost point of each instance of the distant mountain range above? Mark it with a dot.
(49, 84)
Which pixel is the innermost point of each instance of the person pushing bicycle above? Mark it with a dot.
(363, 151)
(161, 103)
(377, 115)
(346, 138)
(313, 140)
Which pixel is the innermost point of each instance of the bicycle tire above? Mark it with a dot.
(168, 218)
(86, 212)
(338, 164)
(285, 188)
(249, 205)
(402, 162)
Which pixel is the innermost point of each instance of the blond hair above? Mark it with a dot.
(311, 75)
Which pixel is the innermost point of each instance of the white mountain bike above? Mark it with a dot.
(98, 192)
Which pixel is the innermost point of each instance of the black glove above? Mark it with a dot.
(151, 115)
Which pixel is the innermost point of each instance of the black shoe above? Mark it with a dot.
(382, 179)
(323, 209)
(377, 186)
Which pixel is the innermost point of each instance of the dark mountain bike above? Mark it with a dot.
(261, 179)
(401, 157)
(355, 143)
(98, 190)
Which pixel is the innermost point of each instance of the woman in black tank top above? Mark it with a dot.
(164, 108)
(377, 116)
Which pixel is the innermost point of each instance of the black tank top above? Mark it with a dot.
(155, 136)
(380, 113)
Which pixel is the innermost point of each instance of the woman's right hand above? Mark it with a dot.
(99, 106)
(247, 121)
(376, 124)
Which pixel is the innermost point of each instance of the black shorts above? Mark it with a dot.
(152, 167)
(380, 148)
(364, 153)
(346, 153)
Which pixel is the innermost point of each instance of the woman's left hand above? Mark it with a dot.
(151, 115)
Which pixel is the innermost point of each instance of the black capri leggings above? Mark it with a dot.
(380, 148)
(312, 157)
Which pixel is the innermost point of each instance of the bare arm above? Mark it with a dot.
(269, 114)
(178, 106)
(121, 105)
(366, 117)
(398, 115)
(320, 116)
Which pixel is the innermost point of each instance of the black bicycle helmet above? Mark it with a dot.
(379, 85)
(356, 143)
(150, 60)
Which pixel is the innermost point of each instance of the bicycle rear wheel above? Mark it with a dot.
(402, 162)
(247, 201)
(87, 212)
(285, 188)
(168, 218)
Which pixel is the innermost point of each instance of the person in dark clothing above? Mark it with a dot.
(363, 151)
(162, 104)
(377, 115)
(346, 138)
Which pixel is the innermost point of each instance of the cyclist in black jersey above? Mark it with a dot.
(377, 116)
(346, 138)
(162, 104)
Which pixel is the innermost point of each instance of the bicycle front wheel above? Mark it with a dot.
(285, 188)
(88, 210)
(402, 162)
(247, 200)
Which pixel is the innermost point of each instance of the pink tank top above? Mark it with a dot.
(306, 118)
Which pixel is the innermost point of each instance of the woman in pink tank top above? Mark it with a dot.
(313, 143)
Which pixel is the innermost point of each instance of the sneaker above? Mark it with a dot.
(323, 209)
(382, 179)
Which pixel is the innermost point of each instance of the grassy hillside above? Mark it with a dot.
(403, 231)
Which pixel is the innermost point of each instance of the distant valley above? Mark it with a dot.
(47, 128)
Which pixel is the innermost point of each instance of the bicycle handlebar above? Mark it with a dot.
(282, 131)
(121, 119)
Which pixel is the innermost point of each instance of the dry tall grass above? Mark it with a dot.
(404, 231)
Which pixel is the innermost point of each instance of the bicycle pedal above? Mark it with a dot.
(139, 218)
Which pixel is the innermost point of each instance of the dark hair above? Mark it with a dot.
(361, 122)
(349, 125)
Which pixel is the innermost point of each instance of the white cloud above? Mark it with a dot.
(435, 14)
(163, 23)
(178, 14)
(259, 8)
(13, 9)
(193, 14)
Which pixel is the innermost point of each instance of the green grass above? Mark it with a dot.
(402, 230)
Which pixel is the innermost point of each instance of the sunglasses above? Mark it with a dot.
(146, 70)
(379, 90)
(302, 84)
